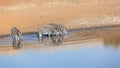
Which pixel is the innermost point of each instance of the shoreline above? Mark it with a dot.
(76, 29)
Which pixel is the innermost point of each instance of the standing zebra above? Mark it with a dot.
(16, 38)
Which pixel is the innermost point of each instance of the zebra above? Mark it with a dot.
(52, 30)
(16, 38)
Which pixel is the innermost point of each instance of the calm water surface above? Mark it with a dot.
(80, 49)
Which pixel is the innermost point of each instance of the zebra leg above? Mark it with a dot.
(39, 36)
(17, 42)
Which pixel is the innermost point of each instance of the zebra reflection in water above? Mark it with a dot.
(16, 38)
(52, 41)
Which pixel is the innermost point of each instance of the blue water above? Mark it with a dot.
(100, 53)
(95, 57)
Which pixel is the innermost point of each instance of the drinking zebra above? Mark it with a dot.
(16, 38)
(52, 30)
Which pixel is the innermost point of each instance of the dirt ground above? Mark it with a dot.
(29, 15)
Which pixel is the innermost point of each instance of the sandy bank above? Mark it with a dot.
(28, 15)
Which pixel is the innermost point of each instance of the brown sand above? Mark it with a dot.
(28, 15)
